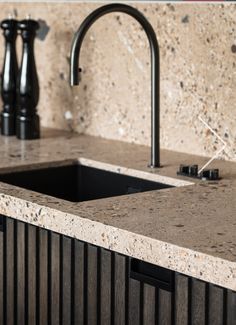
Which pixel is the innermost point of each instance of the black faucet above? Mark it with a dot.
(155, 66)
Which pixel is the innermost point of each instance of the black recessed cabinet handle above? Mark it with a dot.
(152, 274)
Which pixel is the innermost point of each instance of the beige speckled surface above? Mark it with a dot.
(190, 229)
(198, 69)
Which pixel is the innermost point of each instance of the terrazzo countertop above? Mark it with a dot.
(190, 228)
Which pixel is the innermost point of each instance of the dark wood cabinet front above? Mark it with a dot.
(47, 278)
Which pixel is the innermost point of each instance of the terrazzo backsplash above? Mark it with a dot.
(198, 73)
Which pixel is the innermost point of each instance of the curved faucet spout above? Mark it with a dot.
(155, 66)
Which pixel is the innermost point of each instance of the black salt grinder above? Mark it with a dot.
(9, 78)
(27, 120)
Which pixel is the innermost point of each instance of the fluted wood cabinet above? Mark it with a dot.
(47, 278)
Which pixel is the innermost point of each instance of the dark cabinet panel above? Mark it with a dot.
(164, 307)
(47, 278)
(119, 289)
(31, 274)
(55, 283)
(181, 299)
(9, 275)
(66, 280)
(78, 277)
(149, 302)
(43, 277)
(198, 299)
(92, 303)
(216, 307)
(20, 285)
(231, 308)
(134, 302)
(105, 287)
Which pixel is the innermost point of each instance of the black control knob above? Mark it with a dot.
(188, 170)
(210, 174)
(193, 170)
(27, 121)
(9, 78)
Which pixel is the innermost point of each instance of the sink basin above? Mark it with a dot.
(77, 183)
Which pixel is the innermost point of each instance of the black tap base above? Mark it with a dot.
(27, 128)
(8, 124)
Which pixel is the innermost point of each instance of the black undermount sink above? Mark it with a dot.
(77, 183)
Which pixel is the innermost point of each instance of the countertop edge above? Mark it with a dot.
(183, 260)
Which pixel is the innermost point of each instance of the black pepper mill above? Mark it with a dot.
(9, 77)
(27, 121)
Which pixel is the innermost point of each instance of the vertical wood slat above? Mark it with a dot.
(21, 273)
(31, 265)
(55, 279)
(105, 296)
(10, 273)
(215, 312)
(134, 302)
(149, 304)
(43, 277)
(78, 280)
(119, 289)
(231, 307)
(165, 307)
(181, 299)
(92, 285)
(198, 302)
(66, 281)
(1, 277)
